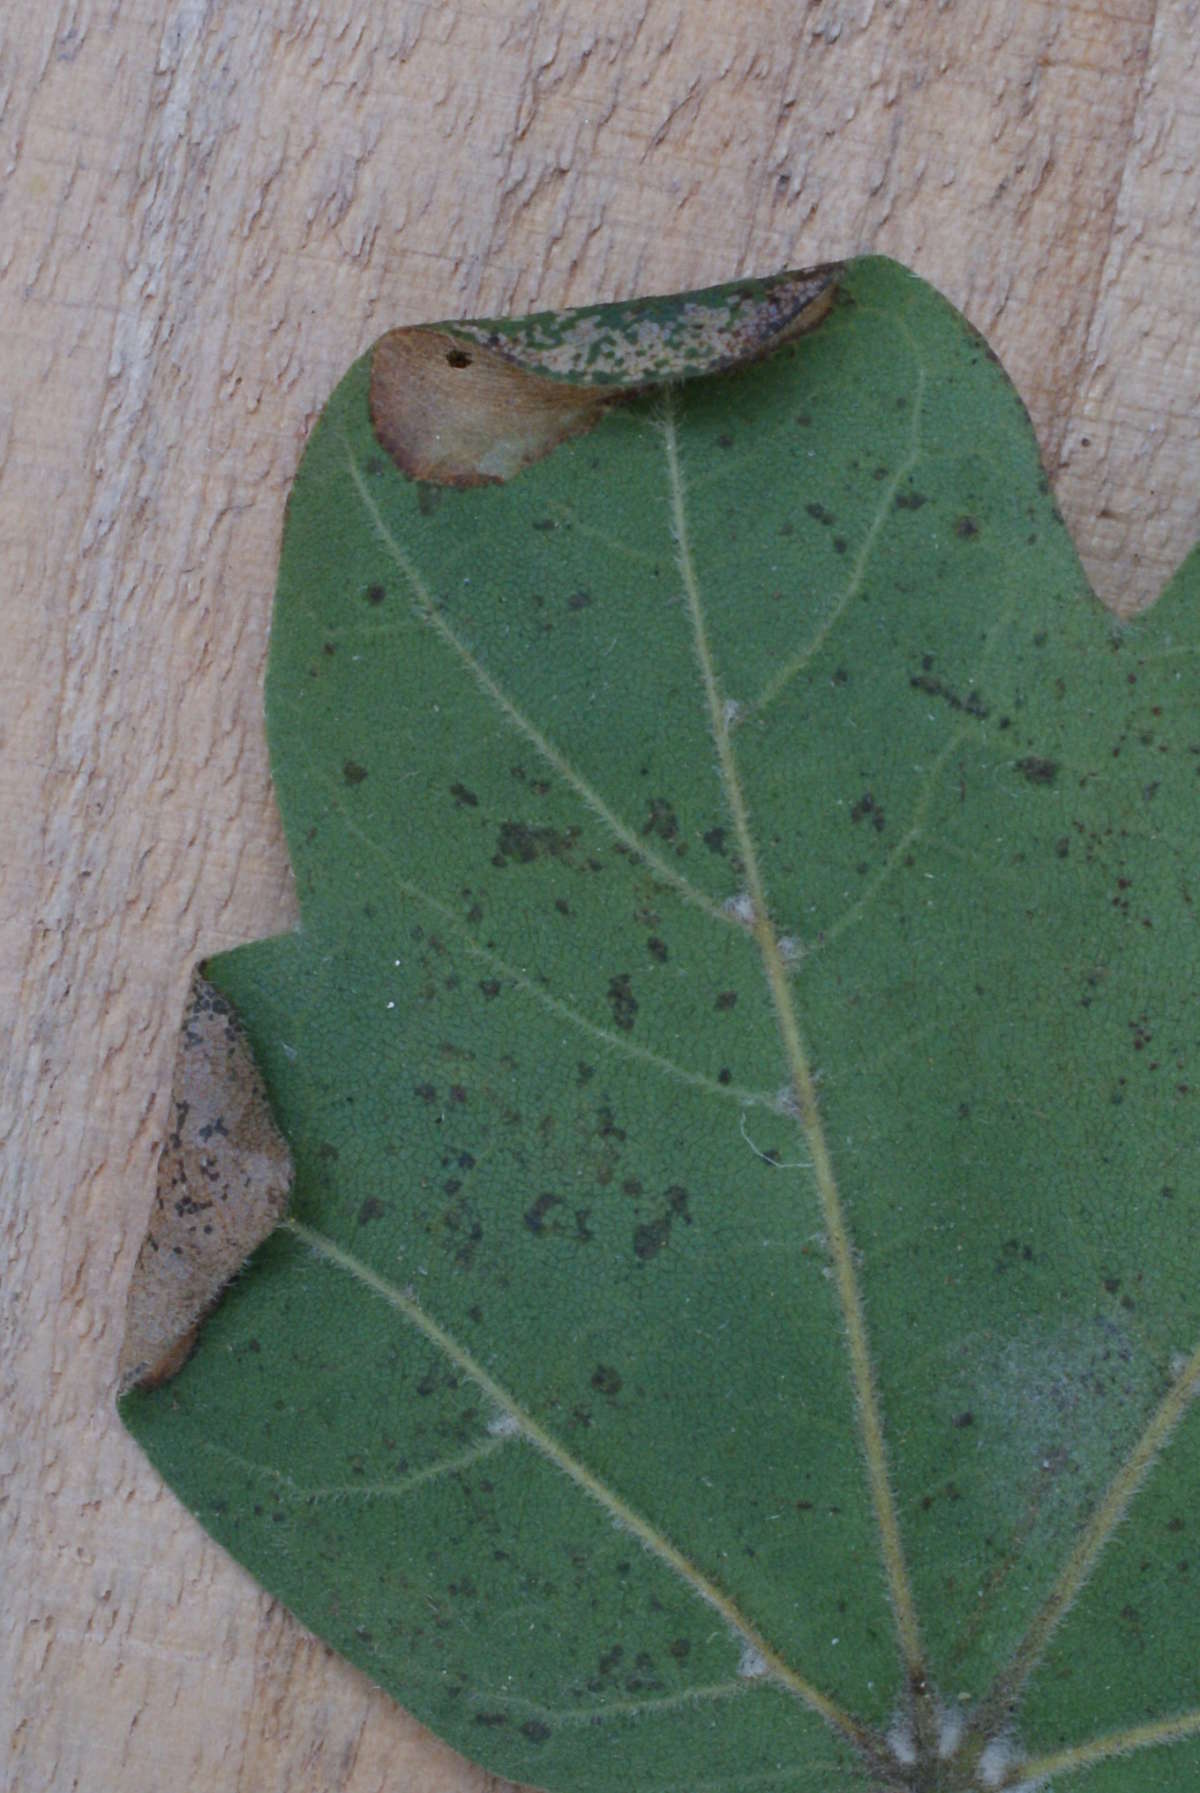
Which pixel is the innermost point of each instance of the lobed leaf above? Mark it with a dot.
(741, 1058)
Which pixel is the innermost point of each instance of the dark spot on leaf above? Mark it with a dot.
(606, 1380)
(680, 1648)
(724, 441)
(962, 1420)
(518, 841)
(726, 1000)
(714, 840)
(606, 1123)
(662, 820)
(426, 1092)
(536, 1217)
(972, 704)
(372, 1209)
(1037, 770)
(819, 514)
(648, 1240)
(353, 773)
(622, 1002)
(965, 527)
(1014, 1252)
(724, 1075)
(464, 798)
(644, 1678)
(535, 1730)
(490, 986)
(657, 949)
(458, 358)
(839, 544)
(867, 807)
(579, 600)
(491, 1718)
(376, 594)
(910, 501)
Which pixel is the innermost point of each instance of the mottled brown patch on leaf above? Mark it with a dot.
(223, 1179)
(473, 403)
(681, 336)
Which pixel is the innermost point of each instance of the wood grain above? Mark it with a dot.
(208, 208)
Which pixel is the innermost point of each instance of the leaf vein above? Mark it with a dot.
(804, 656)
(615, 1042)
(601, 1712)
(389, 1490)
(429, 614)
(1096, 1534)
(1038, 1769)
(618, 1509)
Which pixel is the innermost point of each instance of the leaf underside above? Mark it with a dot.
(741, 1058)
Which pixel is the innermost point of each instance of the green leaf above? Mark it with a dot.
(741, 1058)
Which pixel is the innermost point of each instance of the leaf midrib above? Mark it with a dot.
(867, 1409)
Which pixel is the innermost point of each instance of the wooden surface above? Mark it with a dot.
(209, 207)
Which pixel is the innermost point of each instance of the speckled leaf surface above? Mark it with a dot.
(741, 1058)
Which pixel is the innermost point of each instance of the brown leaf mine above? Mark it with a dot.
(224, 1174)
(460, 415)
(473, 403)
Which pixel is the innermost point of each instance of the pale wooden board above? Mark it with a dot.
(209, 207)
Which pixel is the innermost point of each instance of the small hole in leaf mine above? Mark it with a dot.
(457, 358)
